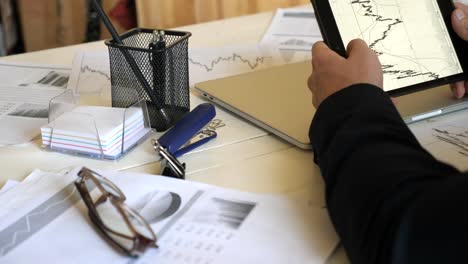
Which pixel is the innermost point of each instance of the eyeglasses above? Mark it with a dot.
(122, 226)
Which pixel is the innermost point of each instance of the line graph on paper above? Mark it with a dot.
(91, 73)
(455, 136)
(445, 137)
(31, 223)
(234, 58)
(409, 37)
(207, 64)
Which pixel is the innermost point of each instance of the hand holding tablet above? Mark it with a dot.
(414, 40)
(331, 72)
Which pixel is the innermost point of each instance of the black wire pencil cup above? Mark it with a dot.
(150, 65)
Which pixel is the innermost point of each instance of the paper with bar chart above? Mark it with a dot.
(25, 93)
(195, 223)
(409, 37)
(294, 30)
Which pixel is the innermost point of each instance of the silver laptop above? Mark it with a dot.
(278, 100)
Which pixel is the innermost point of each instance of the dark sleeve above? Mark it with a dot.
(389, 200)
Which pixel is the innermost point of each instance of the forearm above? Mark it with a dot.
(372, 166)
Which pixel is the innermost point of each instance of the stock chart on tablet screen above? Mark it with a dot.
(409, 36)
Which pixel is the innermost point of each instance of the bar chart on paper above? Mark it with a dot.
(293, 30)
(195, 223)
(412, 46)
(203, 234)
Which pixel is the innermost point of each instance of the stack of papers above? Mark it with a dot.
(44, 218)
(95, 130)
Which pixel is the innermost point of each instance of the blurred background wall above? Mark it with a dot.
(30, 25)
(173, 13)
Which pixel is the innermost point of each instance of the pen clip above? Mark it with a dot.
(156, 36)
(162, 36)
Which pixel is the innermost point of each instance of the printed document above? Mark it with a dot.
(213, 63)
(293, 29)
(25, 93)
(44, 218)
(91, 73)
(445, 137)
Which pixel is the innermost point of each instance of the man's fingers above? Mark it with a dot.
(465, 90)
(461, 6)
(460, 21)
(320, 47)
(310, 83)
(322, 53)
(458, 89)
(369, 65)
(357, 48)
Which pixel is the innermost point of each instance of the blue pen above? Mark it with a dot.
(189, 127)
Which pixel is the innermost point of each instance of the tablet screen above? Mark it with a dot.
(409, 36)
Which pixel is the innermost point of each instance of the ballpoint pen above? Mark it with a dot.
(168, 146)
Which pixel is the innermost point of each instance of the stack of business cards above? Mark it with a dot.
(96, 130)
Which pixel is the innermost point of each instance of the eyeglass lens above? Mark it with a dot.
(120, 222)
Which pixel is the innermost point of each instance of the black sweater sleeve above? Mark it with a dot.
(389, 200)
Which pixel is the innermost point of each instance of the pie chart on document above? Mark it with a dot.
(157, 205)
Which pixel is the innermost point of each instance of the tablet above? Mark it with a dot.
(413, 39)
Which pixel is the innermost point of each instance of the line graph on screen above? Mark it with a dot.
(409, 37)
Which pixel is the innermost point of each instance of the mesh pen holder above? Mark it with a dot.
(164, 68)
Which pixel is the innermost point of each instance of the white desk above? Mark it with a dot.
(263, 165)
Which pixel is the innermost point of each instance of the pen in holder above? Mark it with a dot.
(158, 63)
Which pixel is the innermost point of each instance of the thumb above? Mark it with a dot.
(460, 21)
(321, 54)
(357, 48)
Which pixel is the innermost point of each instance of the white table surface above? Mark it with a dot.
(263, 165)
